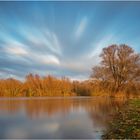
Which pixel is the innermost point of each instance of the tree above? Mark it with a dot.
(120, 65)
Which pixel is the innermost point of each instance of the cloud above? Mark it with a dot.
(45, 59)
(75, 66)
(15, 48)
(81, 27)
(41, 39)
(38, 50)
(30, 50)
(100, 44)
(58, 46)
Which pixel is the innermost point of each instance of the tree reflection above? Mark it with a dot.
(75, 117)
(36, 107)
(103, 110)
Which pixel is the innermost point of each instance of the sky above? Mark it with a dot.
(63, 38)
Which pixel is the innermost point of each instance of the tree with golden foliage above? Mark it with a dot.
(35, 86)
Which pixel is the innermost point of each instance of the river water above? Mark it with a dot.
(57, 117)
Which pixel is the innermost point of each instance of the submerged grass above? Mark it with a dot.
(125, 123)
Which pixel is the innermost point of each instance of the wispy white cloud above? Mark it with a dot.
(75, 66)
(81, 27)
(45, 59)
(16, 48)
(26, 53)
(52, 42)
(104, 42)
(42, 39)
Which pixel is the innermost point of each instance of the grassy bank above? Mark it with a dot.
(125, 124)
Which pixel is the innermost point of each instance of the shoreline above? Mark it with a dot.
(125, 123)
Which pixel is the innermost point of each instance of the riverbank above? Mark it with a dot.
(125, 123)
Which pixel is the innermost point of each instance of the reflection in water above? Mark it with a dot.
(55, 117)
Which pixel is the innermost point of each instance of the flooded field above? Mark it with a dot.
(70, 117)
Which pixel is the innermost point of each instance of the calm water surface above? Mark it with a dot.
(72, 117)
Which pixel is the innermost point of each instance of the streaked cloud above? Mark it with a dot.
(67, 43)
(103, 42)
(17, 49)
(45, 59)
(41, 38)
(81, 27)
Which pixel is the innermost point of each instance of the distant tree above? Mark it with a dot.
(120, 65)
(10, 87)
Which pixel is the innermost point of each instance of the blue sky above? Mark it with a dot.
(63, 38)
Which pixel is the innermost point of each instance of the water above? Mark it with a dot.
(71, 117)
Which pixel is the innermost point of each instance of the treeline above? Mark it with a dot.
(35, 86)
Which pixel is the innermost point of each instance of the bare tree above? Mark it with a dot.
(119, 66)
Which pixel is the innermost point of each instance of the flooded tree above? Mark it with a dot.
(120, 66)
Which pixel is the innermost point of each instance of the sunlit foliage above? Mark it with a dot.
(119, 69)
(35, 86)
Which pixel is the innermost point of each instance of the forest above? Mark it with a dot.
(117, 73)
